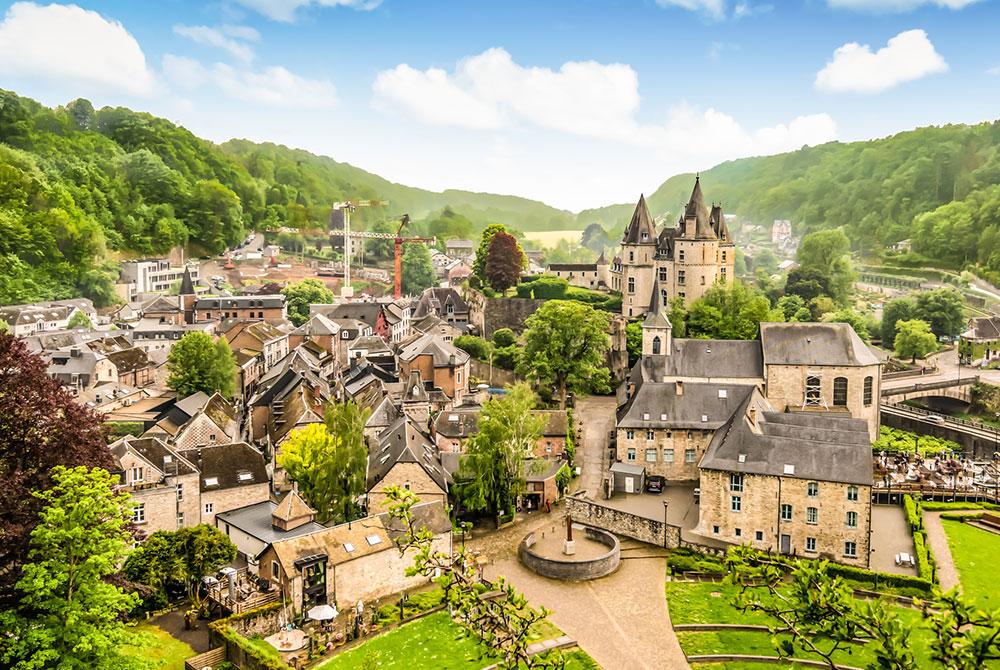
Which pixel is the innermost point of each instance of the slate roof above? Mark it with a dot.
(818, 446)
(318, 324)
(255, 520)
(460, 422)
(415, 390)
(404, 442)
(384, 414)
(270, 300)
(706, 359)
(641, 229)
(814, 344)
(655, 317)
(153, 450)
(261, 331)
(573, 267)
(697, 209)
(664, 408)
(365, 312)
(444, 353)
(436, 299)
(985, 328)
(130, 360)
(230, 464)
(19, 315)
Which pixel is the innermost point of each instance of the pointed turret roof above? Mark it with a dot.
(601, 260)
(696, 208)
(292, 507)
(719, 224)
(187, 285)
(641, 229)
(655, 317)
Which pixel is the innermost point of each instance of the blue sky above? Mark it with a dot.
(577, 104)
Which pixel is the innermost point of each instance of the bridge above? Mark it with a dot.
(979, 441)
(958, 389)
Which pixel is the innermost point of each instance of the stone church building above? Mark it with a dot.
(685, 260)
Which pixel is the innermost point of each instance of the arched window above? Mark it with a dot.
(656, 345)
(840, 391)
(814, 395)
(868, 391)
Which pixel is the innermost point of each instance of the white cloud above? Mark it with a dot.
(492, 92)
(995, 71)
(854, 68)
(69, 45)
(272, 86)
(215, 38)
(241, 32)
(716, 9)
(285, 10)
(745, 9)
(897, 5)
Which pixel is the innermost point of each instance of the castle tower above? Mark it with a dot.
(638, 252)
(656, 327)
(696, 249)
(187, 296)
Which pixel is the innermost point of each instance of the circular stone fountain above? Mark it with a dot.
(573, 552)
(288, 641)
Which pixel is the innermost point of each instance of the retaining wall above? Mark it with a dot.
(570, 570)
(651, 531)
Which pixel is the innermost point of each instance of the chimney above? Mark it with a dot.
(75, 352)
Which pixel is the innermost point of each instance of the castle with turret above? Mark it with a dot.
(684, 261)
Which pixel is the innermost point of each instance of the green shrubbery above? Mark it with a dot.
(683, 560)
(933, 506)
(915, 519)
(264, 660)
(912, 509)
(894, 440)
(881, 581)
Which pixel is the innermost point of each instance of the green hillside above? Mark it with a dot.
(78, 185)
(874, 189)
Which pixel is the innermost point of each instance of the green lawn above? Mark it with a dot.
(431, 643)
(158, 650)
(973, 550)
(711, 603)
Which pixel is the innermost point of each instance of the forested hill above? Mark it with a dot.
(874, 189)
(78, 183)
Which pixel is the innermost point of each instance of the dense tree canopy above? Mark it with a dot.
(826, 254)
(328, 461)
(417, 268)
(199, 363)
(914, 339)
(41, 426)
(730, 313)
(565, 346)
(299, 295)
(503, 262)
(69, 617)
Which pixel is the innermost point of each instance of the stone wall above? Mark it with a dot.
(499, 376)
(507, 313)
(615, 521)
(573, 570)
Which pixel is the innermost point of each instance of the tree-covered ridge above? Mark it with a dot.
(873, 189)
(77, 183)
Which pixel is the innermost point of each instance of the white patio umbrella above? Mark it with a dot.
(322, 613)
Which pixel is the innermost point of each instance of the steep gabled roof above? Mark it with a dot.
(655, 318)
(697, 209)
(641, 229)
(404, 442)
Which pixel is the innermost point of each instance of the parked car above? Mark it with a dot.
(936, 418)
(655, 483)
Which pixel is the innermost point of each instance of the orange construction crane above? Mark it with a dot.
(398, 241)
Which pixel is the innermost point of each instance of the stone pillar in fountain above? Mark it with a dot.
(570, 547)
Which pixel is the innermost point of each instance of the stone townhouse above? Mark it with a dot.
(350, 563)
(254, 527)
(163, 484)
(80, 368)
(270, 308)
(213, 423)
(321, 330)
(789, 482)
(231, 476)
(439, 362)
(406, 457)
(446, 303)
(596, 275)
(371, 314)
(258, 336)
(686, 260)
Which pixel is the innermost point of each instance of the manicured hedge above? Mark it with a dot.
(913, 517)
(683, 560)
(879, 580)
(925, 564)
(932, 506)
(961, 516)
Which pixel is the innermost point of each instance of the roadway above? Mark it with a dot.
(947, 368)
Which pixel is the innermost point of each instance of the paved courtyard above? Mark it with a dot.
(890, 536)
(596, 415)
(620, 620)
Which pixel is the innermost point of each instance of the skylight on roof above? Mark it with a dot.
(245, 476)
(742, 458)
(373, 540)
(211, 481)
(789, 469)
(663, 417)
(348, 547)
(704, 418)
(453, 418)
(723, 393)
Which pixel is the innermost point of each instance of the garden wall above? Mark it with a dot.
(569, 569)
(651, 531)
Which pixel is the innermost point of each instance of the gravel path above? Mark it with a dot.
(946, 572)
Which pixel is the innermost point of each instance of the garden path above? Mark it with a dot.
(938, 541)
